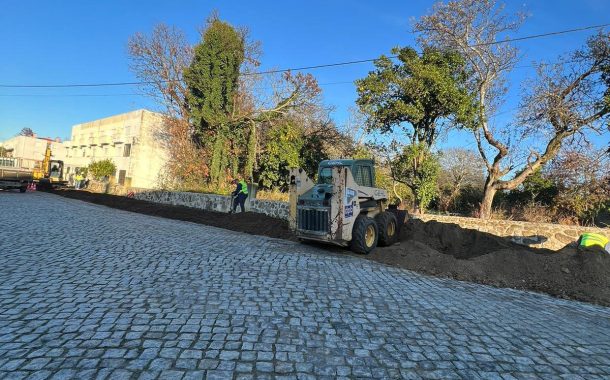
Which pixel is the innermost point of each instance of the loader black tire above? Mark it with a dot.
(388, 228)
(362, 240)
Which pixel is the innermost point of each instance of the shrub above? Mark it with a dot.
(101, 169)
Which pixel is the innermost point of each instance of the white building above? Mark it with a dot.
(131, 140)
(31, 149)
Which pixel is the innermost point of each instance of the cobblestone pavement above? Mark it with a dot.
(92, 292)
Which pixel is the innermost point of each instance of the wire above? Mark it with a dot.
(126, 94)
(305, 67)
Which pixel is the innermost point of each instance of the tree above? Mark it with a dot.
(582, 178)
(212, 79)
(558, 105)
(26, 132)
(461, 169)
(472, 28)
(158, 60)
(101, 169)
(213, 76)
(418, 169)
(220, 112)
(417, 94)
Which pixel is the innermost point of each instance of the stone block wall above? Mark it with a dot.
(537, 235)
(276, 209)
(211, 202)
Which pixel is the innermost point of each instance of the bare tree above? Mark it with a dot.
(26, 132)
(460, 169)
(560, 106)
(568, 99)
(583, 182)
(159, 61)
(473, 28)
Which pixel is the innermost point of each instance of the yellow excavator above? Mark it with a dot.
(49, 173)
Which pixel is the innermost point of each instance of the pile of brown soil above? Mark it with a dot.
(249, 222)
(438, 249)
(447, 250)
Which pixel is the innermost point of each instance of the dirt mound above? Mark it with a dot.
(450, 251)
(433, 248)
(453, 240)
(249, 222)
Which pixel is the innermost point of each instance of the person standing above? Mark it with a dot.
(78, 180)
(239, 195)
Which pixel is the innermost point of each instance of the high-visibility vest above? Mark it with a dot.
(591, 239)
(244, 187)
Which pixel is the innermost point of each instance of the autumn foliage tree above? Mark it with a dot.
(221, 121)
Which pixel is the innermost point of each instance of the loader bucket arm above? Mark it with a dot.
(299, 185)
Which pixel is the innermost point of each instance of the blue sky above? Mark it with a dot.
(47, 42)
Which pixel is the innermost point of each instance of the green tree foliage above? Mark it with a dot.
(213, 76)
(416, 93)
(101, 169)
(213, 81)
(538, 188)
(284, 144)
(418, 169)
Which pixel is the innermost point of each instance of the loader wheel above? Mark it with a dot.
(364, 235)
(388, 228)
(22, 189)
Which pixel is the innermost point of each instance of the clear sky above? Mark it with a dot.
(57, 42)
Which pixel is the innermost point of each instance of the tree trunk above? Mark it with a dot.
(487, 201)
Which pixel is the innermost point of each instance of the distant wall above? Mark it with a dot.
(211, 202)
(538, 235)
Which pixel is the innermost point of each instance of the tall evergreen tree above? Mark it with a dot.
(213, 80)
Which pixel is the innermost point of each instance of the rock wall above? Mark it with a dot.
(538, 235)
(211, 202)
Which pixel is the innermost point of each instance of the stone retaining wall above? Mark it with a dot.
(538, 235)
(211, 202)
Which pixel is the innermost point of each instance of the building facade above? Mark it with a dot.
(30, 150)
(131, 140)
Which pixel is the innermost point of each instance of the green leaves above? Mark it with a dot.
(418, 91)
(419, 169)
(101, 169)
(212, 78)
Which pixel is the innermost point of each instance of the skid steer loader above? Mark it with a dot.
(344, 207)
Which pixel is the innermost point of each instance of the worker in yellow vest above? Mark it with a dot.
(239, 195)
(588, 240)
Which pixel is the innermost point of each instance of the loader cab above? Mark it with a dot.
(362, 170)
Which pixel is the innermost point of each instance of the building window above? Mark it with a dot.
(127, 150)
(122, 177)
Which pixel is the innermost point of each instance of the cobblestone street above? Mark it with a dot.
(92, 292)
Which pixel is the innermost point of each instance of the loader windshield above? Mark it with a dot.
(326, 176)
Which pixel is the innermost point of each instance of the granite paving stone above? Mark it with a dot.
(92, 292)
